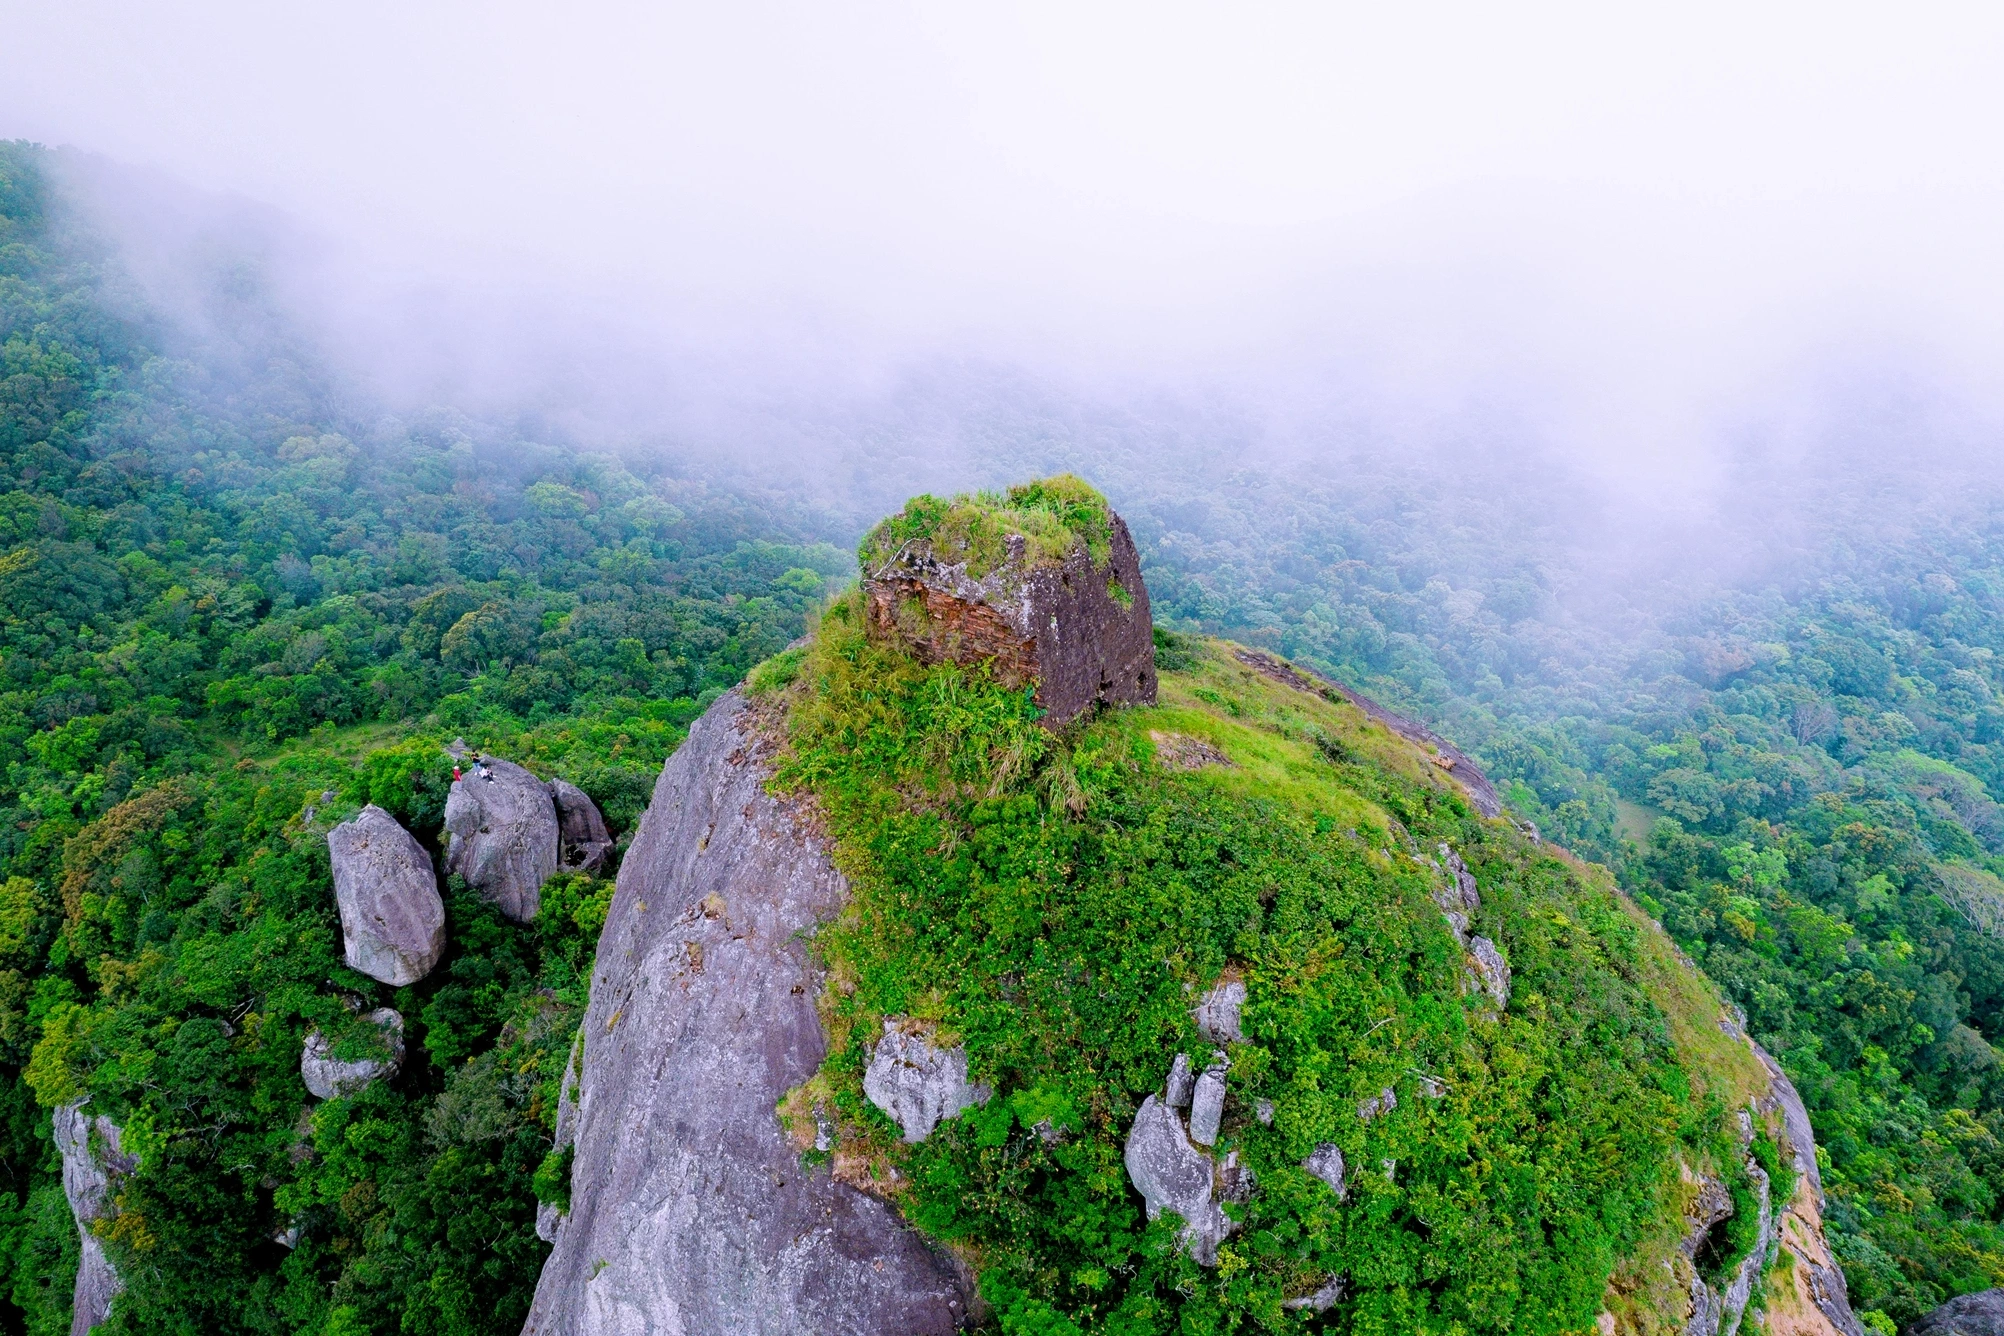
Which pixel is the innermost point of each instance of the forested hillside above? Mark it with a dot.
(232, 609)
(231, 586)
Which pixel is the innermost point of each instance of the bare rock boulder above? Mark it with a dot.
(918, 1085)
(1171, 1174)
(1217, 1014)
(583, 842)
(88, 1172)
(503, 835)
(690, 1209)
(1978, 1314)
(986, 579)
(392, 920)
(329, 1077)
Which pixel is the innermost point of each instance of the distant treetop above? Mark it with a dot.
(1054, 515)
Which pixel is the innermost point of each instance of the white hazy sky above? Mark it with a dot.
(1647, 204)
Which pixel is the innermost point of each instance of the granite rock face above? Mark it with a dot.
(328, 1077)
(392, 920)
(1821, 1301)
(1979, 1314)
(690, 1211)
(583, 842)
(918, 1085)
(1171, 1174)
(1058, 625)
(503, 831)
(87, 1181)
(1326, 1163)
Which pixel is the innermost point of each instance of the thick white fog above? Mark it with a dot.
(1644, 240)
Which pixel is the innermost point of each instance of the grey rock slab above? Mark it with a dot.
(1978, 1314)
(502, 831)
(919, 1085)
(88, 1172)
(1182, 1083)
(690, 1211)
(1326, 1163)
(1322, 1300)
(1491, 973)
(1217, 1014)
(1172, 1174)
(1207, 1105)
(328, 1077)
(392, 919)
(583, 842)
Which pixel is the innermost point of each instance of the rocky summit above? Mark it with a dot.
(503, 835)
(1042, 584)
(392, 919)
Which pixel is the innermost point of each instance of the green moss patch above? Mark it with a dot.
(1054, 516)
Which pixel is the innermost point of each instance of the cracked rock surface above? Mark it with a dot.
(690, 1211)
(583, 841)
(1170, 1173)
(392, 919)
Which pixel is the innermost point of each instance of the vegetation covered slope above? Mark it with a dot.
(225, 596)
(1057, 902)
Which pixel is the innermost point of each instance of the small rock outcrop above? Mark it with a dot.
(583, 842)
(503, 835)
(88, 1172)
(1326, 1163)
(1459, 899)
(328, 1077)
(918, 1085)
(1820, 1304)
(1217, 1015)
(1171, 1174)
(392, 919)
(1207, 1104)
(1979, 1314)
(690, 1210)
(1080, 631)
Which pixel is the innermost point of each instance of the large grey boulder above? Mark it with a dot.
(88, 1172)
(1978, 1314)
(1057, 624)
(392, 920)
(583, 842)
(690, 1210)
(328, 1077)
(1171, 1174)
(1217, 1013)
(918, 1085)
(502, 833)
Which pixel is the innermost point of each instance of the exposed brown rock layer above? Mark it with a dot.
(1057, 625)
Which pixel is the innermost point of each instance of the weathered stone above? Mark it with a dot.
(1378, 1105)
(583, 842)
(917, 1084)
(1217, 1015)
(550, 1217)
(1182, 1083)
(1207, 1105)
(502, 825)
(1171, 1174)
(689, 1208)
(1978, 1314)
(1236, 1180)
(1055, 623)
(1489, 971)
(1459, 899)
(331, 1078)
(1326, 1163)
(1322, 1300)
(392, 920)
(88, 1172)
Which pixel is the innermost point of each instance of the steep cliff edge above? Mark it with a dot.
(690, 1210)
(1232, 1010)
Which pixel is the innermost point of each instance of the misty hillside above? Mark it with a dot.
(241, 598)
